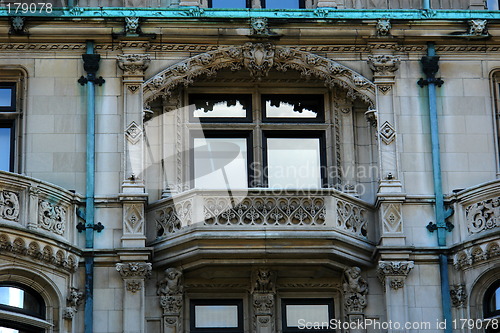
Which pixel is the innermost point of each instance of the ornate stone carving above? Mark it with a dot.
(133, 285)
(171, 284)
(483, 215)
(355, 289)
(133, 88)
(475, 255)
(384, 88)
(383, 27)
(392, 218)
(263, 281)
(64, 260)
(458, 295)
(134, 270)
(73, 300)
(133, 64)
(172, 305)
(352, 218)
(259, 58)
(372, 117)
(259, 27)
(478, 27)
(387, 133)
(134, 219)
(132, 25)
(171, 218)
(17, 25)
(133, 133)
(396, 271)
(265, 211)
(263, 304)
(9, 205)
(51, 217)
(384, 65)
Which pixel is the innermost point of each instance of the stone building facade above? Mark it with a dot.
(177, 166)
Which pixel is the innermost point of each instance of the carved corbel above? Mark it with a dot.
(458, 296)
(355, 289)
(133, 64)
(395, 271)
(74, 299)
(384, 65)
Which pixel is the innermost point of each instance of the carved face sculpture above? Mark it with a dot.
(131, 25)
(477, 27)
(259, 26)
(383, 27)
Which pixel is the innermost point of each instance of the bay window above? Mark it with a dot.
(9, 117)
(259, 140)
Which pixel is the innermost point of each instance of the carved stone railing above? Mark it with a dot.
(325, 209)
(477, 210)
(33, 205)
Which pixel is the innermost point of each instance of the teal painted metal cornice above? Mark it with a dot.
(299, 14)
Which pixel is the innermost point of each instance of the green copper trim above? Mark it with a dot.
(307, 14)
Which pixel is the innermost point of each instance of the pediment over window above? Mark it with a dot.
(259, 59)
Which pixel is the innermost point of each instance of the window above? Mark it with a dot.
(311, 315)
(492, 4)
(22, 309)
(270, 4)
(216, 316)
(260, 147)
(9, 122)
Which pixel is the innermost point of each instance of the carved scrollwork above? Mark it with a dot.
(352, 218)
(51, 217)
(483, 215)
(265, 211)
(396, 271)
(384, 65)
(263, 304)
(172, 305)
(9, 205)
(259, 58)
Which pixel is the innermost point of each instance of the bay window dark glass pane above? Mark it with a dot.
(7, 97)
(229, 4)
(220, 105)
(297, 107)
(24, 300)
(5, 148)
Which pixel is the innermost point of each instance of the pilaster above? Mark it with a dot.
(384, 67)
(392, 275)
(134, 274)
(263, 300)
(170, 290)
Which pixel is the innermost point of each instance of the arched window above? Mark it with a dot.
(22, 309)
(492, 301)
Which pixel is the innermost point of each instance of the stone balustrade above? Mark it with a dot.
(324, 209)
(33, 205)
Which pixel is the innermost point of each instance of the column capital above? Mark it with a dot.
(133, 64)
(134, 270)
(394, 272)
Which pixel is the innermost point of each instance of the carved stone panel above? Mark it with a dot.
(392, 218)
(355, 289)
(458, 295)
(134, 269)
(9, 205)
(483, 215)
(134, 219)
(51, 217)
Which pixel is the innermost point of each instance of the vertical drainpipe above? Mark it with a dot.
(426, 4)
(91, 65)
(89, 202)
(430, 68)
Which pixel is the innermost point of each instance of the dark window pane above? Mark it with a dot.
(220, 106)
(7, 100)
(22, 299)
(282, 4)
(229, 4)
(5, 152)
(298, 107)
(494, 303)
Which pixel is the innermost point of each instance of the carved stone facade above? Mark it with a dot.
(395, 271)
(9, 205)
(133, 64)
(263, 291)
(355, 289)
(458, 294)
(52, 217)
(483, 215)
(170, 290)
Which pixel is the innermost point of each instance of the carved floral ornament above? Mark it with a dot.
(134, 270)
(483, 215)
(9, 205)
(384, 65)
(259, 59)
(133, 64)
